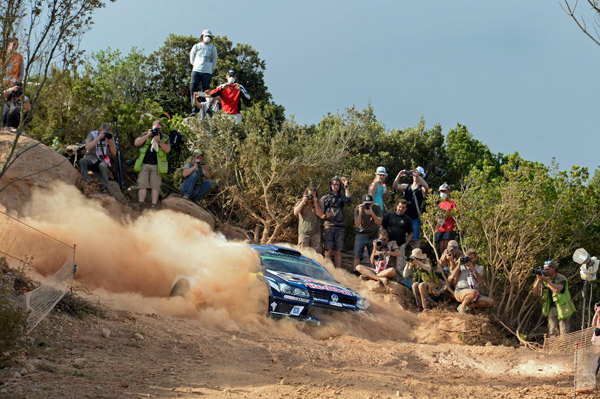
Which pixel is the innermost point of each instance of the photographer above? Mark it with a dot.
(554, 288)
(468, 277)
(383, 258)
(450, 258)
(309, 211)
(425, 281)
(16, 102)
(152, 162)
(367, 219)
(196, 179)
(334, 225)
(98, 144)
(414, 194)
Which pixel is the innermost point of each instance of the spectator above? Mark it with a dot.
(203, 57)
(383, 258)
(196, 179)
(209, 107)
(446, 222)
(468, 277)
(378, 189)
(399, 227)
(425, 281)
(152, 162)
(15, 70)
(596, 318)
(450, 258)
(414, 194)
(231, 94)
(333, 214)
(309, 211)
(554, 287)
(16, 102)
(367, 219)
(99, 145)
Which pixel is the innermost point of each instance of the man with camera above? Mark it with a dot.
(383, 258)
(203, 57)
(552, 286)
(450, 258)
(399, 226)
(16, 102)
(468, 278)
(367, 219)
(414, 194)
(196, 179)
(334, 224)
(309, 211)
(99, 145)
(425, 282)
(151, 163)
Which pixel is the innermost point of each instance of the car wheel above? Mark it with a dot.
(180, 288)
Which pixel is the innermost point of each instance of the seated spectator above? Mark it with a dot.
(383, 258)
(207, 108)
(16, 102)
(449, 259)
(469, 277)
(99, 145)
(425, 281)
(196, 179)
(231, 93)
(446, 222)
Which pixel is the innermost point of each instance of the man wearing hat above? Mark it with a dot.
(550, 285)
(367, 219)
(203, 57)
(424, 280)
(152, 162)
(446, 223)
(378, 189)
(196, 179)
(414, 194)
(231, 93)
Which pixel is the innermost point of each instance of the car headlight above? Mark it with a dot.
(363, 304)
(292, 290)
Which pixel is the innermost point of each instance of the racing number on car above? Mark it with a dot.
(296, 310)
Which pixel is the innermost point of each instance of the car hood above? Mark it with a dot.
(313, 284)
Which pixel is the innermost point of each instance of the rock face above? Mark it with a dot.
(178, 204)
(21, 177)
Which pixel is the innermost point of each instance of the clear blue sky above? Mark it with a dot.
(519, 74)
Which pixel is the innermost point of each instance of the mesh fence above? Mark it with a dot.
(33, 252)
(586, 367)
(566, 343)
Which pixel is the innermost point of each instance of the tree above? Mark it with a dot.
(593, 12)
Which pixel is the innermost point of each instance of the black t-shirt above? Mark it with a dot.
(397, 226)
(151, 158)
(413, 197)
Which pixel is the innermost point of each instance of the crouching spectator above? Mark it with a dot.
(16, 102)
(425, 281)
(99, 145)
(469, 277)
(196, 177)
(383, 258)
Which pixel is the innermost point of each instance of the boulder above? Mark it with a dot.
(233, 233)
(176, 203)
(21, 178)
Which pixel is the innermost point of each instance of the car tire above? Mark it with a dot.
(180, 288)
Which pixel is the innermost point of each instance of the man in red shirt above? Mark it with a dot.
(446, 222)
(231, 93)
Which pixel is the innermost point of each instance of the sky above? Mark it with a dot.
(519, 74)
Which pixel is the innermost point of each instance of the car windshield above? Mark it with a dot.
(297, 266)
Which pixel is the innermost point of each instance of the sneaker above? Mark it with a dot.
(104, 190)
(186, 197)
(462, 309)
(363, 278)
(197, 202)
(140, 206)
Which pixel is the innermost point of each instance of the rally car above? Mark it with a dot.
(298, 287)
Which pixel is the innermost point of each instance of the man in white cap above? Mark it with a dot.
(414, 194)
(446, 223)
(378, 189)
(203, 57)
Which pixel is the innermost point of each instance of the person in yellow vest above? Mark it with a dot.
(14, 70)
(558, 308)
(152, 162)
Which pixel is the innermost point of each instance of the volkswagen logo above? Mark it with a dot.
(334, 297)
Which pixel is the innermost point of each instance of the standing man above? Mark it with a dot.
(203, 57)
(333, 214)
(378, 189)
(399, 227)
(444, 232)
(552, 286)
(414, 194)
(367, 219)
(196, 179)
(231, 93)
(152, 162)
(309, 211)
(98, 144)
(14, 71)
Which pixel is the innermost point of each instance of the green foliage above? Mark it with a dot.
(13, 318)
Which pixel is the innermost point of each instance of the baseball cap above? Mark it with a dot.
(445, 187)
(381, 171)
(206, 32)
(549, 263)
(421, 170)
(367, 198)
(231, 72)
(197, 153)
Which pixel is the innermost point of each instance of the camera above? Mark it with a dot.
(200, 163)
(410, 259)
(449, 252)
(538, 271)
(464, 260)
(367, 205)
(376, 257)
(408, 173)
(18, 92)
(310, 197)
(108, 135)
(155, 131)
(379, 243)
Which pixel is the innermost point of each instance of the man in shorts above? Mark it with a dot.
(152, 162)
(333, 214)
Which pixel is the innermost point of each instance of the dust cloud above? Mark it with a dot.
(132, 264)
